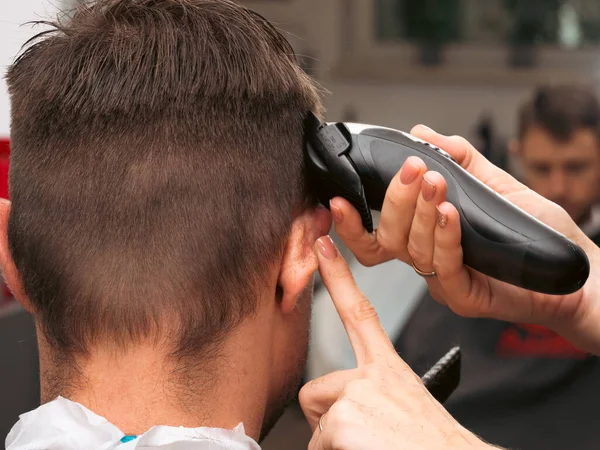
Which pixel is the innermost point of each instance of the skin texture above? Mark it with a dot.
(254, 374)
(407, 231)
(567, 173)
(381, 403)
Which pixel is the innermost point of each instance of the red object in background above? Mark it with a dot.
(4, 158)
(536, 341)
(4, 164)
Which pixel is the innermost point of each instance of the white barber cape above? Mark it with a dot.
(66, 425)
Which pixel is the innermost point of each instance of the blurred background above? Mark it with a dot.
(459, 66)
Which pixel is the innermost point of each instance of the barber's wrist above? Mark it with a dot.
(582, 328)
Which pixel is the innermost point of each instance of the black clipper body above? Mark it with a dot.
(358, 161)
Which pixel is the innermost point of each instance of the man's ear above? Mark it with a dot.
(299, 261)
(6, 262)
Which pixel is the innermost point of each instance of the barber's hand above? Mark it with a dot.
(381, 404)
(419, 227)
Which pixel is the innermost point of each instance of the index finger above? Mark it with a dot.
(367, 336)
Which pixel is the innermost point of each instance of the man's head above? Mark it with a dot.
(559, 145)
(157, 182)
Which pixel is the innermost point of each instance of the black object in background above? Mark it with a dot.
(520, 401)
(19, 369)
(444, 377)
(489, 144)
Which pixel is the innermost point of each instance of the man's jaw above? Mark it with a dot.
(287, 395)
(278, 407)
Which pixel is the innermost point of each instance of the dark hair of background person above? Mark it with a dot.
(561, 110)
(156, 168)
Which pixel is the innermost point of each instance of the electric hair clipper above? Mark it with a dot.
(357, 162)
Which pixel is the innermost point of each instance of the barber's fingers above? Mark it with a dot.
(399, 207)
(389, 240)
(366, 417)
(367, 336)
(453, 284)
(349, 227)
(421, 237)
(349, 425)
(471, 160)
(317, 396)
(351, 421)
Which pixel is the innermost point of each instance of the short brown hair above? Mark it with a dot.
(156, 167)
(561, 110)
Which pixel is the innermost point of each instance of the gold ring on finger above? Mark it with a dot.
(424, 274)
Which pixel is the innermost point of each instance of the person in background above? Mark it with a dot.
(559, 148)
(151, 139)
(522, 385)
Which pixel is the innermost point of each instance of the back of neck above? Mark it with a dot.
(139, 389)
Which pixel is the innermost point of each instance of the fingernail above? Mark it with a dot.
(327, 247)
(442, 219)
(428, 189)
(336, 212)
(408, 173)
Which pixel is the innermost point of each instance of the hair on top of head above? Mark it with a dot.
(155, 170)
(211, 48)
(561, 110)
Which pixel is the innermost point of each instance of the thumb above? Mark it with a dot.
(317, 396)
(471, 160)
(459, 148)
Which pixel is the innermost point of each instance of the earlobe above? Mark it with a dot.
(6, 262)
(299, 260)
